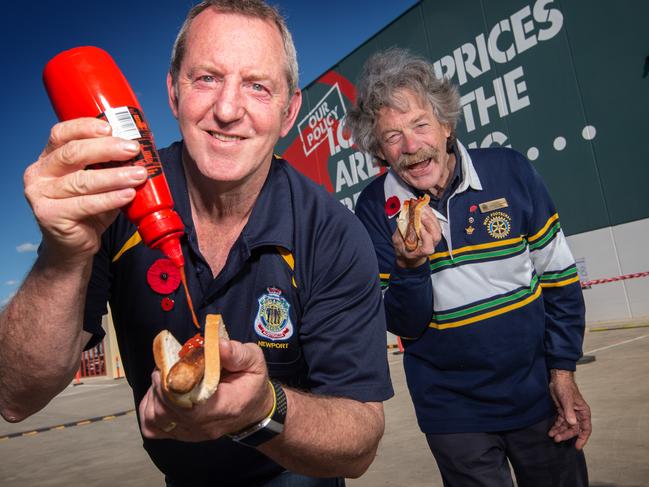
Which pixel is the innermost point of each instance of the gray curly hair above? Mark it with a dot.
(388, 72)
(251, 8)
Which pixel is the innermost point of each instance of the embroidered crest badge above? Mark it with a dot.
(498, 224)
(273, 320)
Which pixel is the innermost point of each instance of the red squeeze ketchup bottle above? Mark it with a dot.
(86, 82)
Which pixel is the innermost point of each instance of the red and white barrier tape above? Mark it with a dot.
(586, 284)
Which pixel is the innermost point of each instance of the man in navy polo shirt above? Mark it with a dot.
(285, 264)
(489, 304)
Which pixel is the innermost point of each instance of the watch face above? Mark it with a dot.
(275, 427)
(260, 433)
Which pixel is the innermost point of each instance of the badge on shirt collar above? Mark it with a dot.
(492, 205)
(273, 320)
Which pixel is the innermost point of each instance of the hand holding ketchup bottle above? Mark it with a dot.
(86, 82)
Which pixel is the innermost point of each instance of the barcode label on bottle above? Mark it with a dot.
(122, 122)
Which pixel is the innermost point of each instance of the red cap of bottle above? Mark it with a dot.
(162, 230)
(84, 82)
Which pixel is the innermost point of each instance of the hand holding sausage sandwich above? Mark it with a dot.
(232, 393)
(190, 373)
(418, 232)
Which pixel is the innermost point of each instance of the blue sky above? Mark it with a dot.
(139, 35)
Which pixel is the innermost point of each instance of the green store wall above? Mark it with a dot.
(564, 82)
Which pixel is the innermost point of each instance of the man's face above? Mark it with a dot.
(413, 142)
(233, 101)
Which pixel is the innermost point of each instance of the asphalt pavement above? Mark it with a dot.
(88, 435)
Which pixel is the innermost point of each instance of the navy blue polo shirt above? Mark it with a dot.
(300, 281)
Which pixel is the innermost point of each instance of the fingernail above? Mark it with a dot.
(126, 194)
(131, 146)
(104, 129)
(138, 173)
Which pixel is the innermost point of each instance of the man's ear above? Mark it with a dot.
(379, 157)
(291, 112)
(172, 96)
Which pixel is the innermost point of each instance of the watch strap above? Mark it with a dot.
(270, 426)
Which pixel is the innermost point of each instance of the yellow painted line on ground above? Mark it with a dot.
(620, 327)
(66, 425)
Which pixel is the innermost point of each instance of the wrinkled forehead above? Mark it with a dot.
(237, 38)
(237, 23)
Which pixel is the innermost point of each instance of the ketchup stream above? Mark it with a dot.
(183, 279)
(197, 341)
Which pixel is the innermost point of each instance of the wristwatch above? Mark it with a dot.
(269, 427)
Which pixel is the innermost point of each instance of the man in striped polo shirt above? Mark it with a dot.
(489, 304)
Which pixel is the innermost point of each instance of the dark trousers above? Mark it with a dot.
(480, 459)
(290, 479)
(287, 479)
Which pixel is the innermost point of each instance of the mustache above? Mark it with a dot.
(421, 155)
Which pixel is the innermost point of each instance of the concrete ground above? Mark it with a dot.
(105, 451)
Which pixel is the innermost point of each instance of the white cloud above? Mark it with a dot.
(27, 247)
(6, 300)
(11, 283)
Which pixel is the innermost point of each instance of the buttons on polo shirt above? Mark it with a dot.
(167, 304)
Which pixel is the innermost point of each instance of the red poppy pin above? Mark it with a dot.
(473, 208)
(163, 276)
(167, 304)
(392, 206)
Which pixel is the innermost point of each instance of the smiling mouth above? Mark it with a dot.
(418, 165)
(224, 137)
